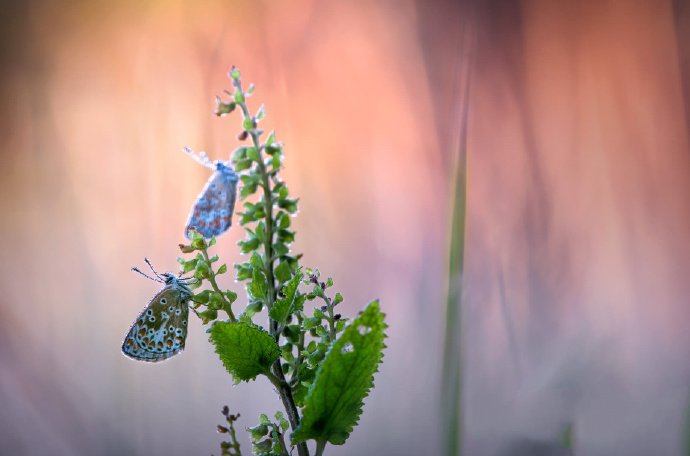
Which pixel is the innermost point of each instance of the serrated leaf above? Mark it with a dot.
(334, 402)
(286, 305)
(245, 350)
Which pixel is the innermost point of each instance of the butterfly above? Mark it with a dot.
(159, 332)
(211, 214)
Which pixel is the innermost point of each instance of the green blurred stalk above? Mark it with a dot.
(451, 400)
(686, 430)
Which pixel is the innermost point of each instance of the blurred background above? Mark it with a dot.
(572, 118)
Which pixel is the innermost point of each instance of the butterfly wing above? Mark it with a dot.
(212, 211)
(161, 329)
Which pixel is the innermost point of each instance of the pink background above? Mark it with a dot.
(578, 255)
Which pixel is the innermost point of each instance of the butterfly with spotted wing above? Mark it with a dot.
(159, 332)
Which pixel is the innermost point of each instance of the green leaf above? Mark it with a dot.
(286, 236)
(199, 243)
(222, 269)
(202, 297)
(288, 204)
(275, 162)
(286, 305)
(215, 301)
(258, 431)
(258, 287)
(245, 350)
(273, 149)
(223, 108)
(345, 377)
(256, 261)
(280, 249)
(188, 265)
(249, 245)
(244, 271)
(252, 152)
(251, 310)
(282, 271)
(248, 189)
(260, 231)
(283, 219)
(239, 154)
(282, 422)
(203, 270)
(208, 316)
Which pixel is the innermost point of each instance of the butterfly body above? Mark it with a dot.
(212, 211)
(159, 332)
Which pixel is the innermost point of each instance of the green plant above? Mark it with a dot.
(321, 364)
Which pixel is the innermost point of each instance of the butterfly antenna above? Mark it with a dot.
(154, 271)
(179, 276)
(200, 158)
(145, 275)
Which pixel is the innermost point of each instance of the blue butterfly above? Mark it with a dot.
(160, 330)
(211, 214)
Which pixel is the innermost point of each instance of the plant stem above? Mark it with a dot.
(233, 438)
(281, 441)
(282, 386)
(214, 285)
(268, 208)
(454, 344)
(329, 307)
(320, 445)
(331, 318)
